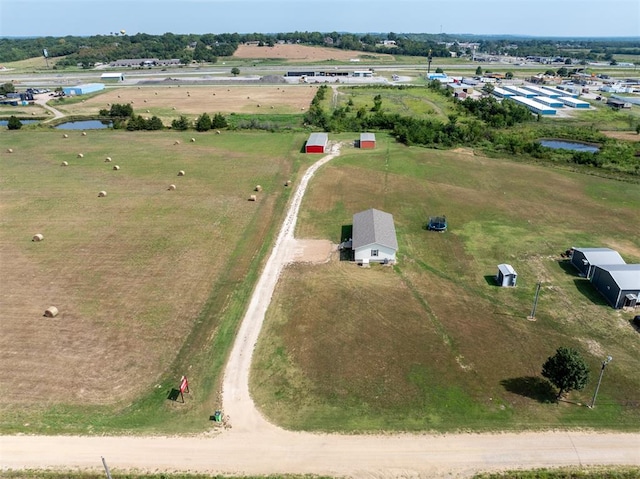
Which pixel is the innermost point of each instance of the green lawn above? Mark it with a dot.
(433, 344)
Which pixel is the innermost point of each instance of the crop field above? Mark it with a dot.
(145, 279)
(432, 343)
(169, 102)
(304, 53)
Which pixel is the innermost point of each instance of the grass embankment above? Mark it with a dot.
(150, 283)
(565, 473)
(433, 344)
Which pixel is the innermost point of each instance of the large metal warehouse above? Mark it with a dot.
(534, 106)
(316, 143)
(618, 283)
(552, 102)
(374, 237)
(83, 89)
(574, 102)
(586, 259)
(539, 91)
(519, 91)
(502, 93)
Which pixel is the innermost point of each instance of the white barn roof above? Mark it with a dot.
(374, 227)
(367, 137)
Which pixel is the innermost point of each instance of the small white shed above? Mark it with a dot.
(506, 276)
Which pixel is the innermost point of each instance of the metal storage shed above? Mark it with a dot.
(506, 276)
(316, 143)
(618, 283)
(112, 76)
(585, 259)
(374, 237)
(83, 89)
(367, 140)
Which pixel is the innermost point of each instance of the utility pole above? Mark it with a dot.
(106, 468)
(595, 394)
(429, 58)
(532, 316)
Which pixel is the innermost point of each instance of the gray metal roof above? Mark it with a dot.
(318, 139)
(506, 269)
(597, 256)
(367, 137)
(374, 226)
(626, 276)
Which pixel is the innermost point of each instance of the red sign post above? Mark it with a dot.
(184, 386)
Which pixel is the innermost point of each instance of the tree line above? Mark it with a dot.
(208, 47)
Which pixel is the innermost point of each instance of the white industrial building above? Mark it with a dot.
(534, 106)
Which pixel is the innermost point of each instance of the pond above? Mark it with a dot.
(569, 145)
(24, 122)
(84, 125)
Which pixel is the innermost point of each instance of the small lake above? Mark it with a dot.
(569, 145)
(24, 122)
(84, 125)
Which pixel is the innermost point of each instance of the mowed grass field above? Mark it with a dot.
(150, 283)
(168, 103)
(432, 343)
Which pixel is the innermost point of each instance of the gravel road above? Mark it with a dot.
(254, 446)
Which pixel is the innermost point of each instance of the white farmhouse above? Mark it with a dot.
(374, 237)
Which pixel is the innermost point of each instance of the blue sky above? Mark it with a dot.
(566, 18)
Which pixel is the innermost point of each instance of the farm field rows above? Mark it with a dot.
(432, 343)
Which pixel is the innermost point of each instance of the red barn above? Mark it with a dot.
(316, 143)
(367, 140)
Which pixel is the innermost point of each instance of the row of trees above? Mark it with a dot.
(208, 47)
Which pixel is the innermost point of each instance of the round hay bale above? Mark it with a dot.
(171, 187)
(174, 108)
(217, 132)
(107, 159)
(288, 183)
(252, 198)
(193, 140)
(10, 150)
(177, 142)
(155, 92)
(116, 167)
(145, 101)
(271, 107)
(51, 312)
(148, 111)
(37, 237)
(65, 163)
(84, 133)
(258, 105)
(65, 136)
(80, 155)
(102, 194)
(181, 173)
(118, 96)
(258, 188)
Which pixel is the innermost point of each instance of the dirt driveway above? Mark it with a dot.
(255, 447)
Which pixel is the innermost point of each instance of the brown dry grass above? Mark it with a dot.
(622, 135)
(195, 100)
(131, 272)
(300, 53)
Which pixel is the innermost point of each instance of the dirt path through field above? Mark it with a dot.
(42, 100)
(253, 446)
